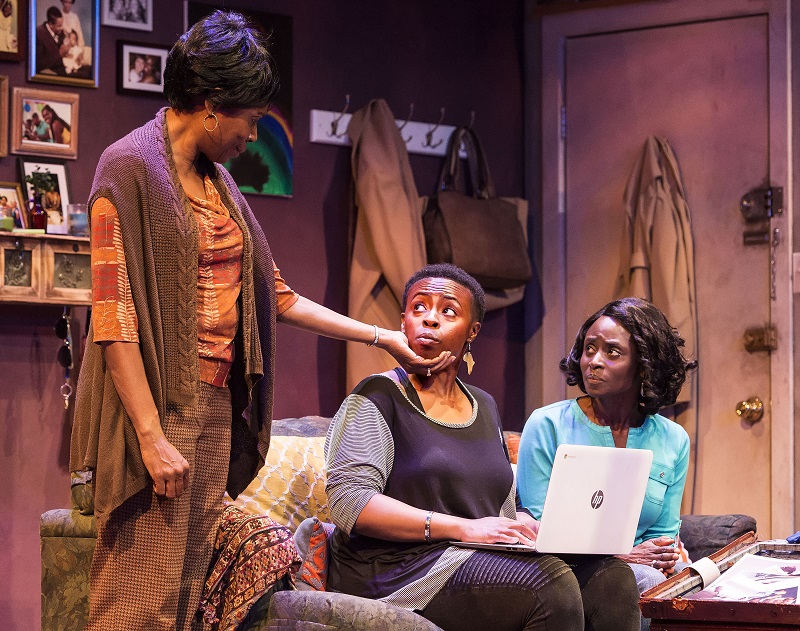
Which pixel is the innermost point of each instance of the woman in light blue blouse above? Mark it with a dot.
(627, 359)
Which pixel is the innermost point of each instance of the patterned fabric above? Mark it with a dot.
(65, 585)
(219, 279)
(250, 554)
(315, 552)
(291, 485)
(327, 611)
(152, 553)
(113, 314)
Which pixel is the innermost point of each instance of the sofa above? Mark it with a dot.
(289, 489)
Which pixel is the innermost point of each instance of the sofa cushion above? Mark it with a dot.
(303, 426)
(705, 534)
(290, 487)
(311, 540)
(327, 611)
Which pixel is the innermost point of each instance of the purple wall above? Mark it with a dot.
(452, 54)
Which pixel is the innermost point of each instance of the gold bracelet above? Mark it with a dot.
(377, 337)
(428, 526)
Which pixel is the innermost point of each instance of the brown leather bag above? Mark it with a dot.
(479, 233)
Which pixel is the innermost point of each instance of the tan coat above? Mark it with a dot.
(389, 242)
(658, 263)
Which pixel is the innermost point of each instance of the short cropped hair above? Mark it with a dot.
(223, 58)
(661, 365)
(53, 13)
(456, 274)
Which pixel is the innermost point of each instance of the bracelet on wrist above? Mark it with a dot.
(428, 526)
(377, 336)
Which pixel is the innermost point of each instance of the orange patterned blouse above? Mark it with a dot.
(219, 279)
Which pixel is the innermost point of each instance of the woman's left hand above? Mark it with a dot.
(659, 553)
(396, 344)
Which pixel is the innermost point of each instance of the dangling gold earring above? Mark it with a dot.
(468, 359)
(216, 122)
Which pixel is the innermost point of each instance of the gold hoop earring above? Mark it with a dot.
(468, 359)
(216, 122)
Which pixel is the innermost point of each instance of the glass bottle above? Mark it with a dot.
(37, 213)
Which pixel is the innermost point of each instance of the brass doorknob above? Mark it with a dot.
(751, 410)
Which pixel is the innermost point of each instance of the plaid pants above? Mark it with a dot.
(153, 553)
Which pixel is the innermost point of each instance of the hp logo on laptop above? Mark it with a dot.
(597, 499)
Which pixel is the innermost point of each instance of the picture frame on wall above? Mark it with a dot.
(13, 33)
(44, 123)
(63, 46)
(140, 68)
(4, 115)
(12, 202)
(55, 199)
(133, 14)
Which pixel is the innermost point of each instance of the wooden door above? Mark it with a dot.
(708, 79)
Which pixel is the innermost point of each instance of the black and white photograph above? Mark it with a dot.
(133, 14)
(64, 41)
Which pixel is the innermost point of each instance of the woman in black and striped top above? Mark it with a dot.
(415, 461)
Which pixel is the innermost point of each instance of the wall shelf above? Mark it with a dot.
(45, 269)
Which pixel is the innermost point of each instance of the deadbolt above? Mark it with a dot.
(751, 410)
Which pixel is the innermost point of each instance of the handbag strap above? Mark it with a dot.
(480, 178)
(484, 178)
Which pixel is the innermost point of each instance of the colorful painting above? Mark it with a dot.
(265, 168)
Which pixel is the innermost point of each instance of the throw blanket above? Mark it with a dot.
(251, 553)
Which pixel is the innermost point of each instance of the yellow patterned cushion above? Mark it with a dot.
(291, 485)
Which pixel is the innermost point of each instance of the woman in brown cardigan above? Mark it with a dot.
(174, 400)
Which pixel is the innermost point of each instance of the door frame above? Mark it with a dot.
(551, 343)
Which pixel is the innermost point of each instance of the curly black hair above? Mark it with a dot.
(456, 274)
(223, 58)
(662, 366)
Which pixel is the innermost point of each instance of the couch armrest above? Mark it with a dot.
(704, 534)
(330, 611)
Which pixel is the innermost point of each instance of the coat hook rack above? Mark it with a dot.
(403, 126)
(429, 134)
(335, 122)
(330, 128)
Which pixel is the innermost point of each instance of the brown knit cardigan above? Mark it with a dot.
(159, 233)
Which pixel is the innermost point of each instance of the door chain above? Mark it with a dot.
(773, 263)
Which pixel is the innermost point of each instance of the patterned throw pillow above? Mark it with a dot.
(314, 571)
(291, 485)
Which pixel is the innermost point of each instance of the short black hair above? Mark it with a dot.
(661, 364)
(456, 274)
(223, 58)
(53, 13)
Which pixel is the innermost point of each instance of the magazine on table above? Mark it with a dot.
(756, 579)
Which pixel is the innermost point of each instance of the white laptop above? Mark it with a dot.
(593, 502)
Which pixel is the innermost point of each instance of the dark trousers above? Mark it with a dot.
(514, 592)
